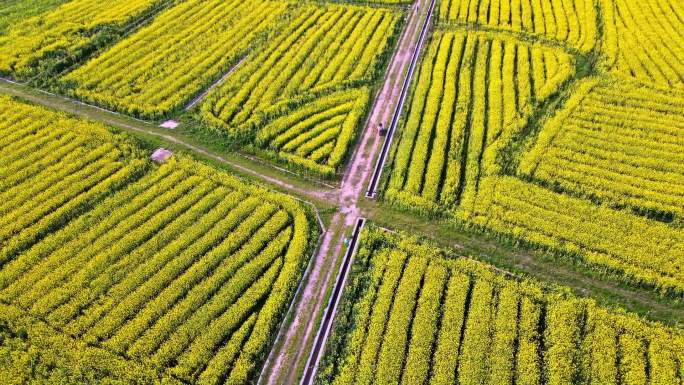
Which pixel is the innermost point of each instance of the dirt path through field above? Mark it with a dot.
(290, 354)
(248, 167)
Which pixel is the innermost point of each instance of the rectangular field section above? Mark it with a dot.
(535, 138)
(474, 92)
(414, 314)
(55, 39)
(305, 95)
(176, 268)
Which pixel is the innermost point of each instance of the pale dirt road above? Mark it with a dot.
(291, 353)
(323, 192)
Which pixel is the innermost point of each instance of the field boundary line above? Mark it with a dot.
(331, 309)
(274, 166)
(76, 101)
(193, 102)
(493, 267)
(380, 163)
(175, 140)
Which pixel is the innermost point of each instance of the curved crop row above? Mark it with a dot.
(490, 327)
(570, 21)
(161, 66)
(468, 98)
(178, 266)
(624, 152)
(644, 41)
(644, 251)
(306, 93)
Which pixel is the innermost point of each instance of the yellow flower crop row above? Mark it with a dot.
(162, 66)
(228, 275)
(424, 326)
(475, 353)
(57, 358)
(364, 369)
(317, 135)
(101, 285)
(112, 243)
(137, 196)
(467, 100)
(449, 337)
(627, 154)
(571, 21)
(646, 252)
(151, 281)
(644, 41)
(183, 268)
(65, 29)
(528, 363)
(502, 360)
(484, 326)
(317, 70)
(392, 352)
(357, 338)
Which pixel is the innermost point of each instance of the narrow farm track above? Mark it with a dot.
(387, 144)
(249, 167)
(324, 330)
(289, 356)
